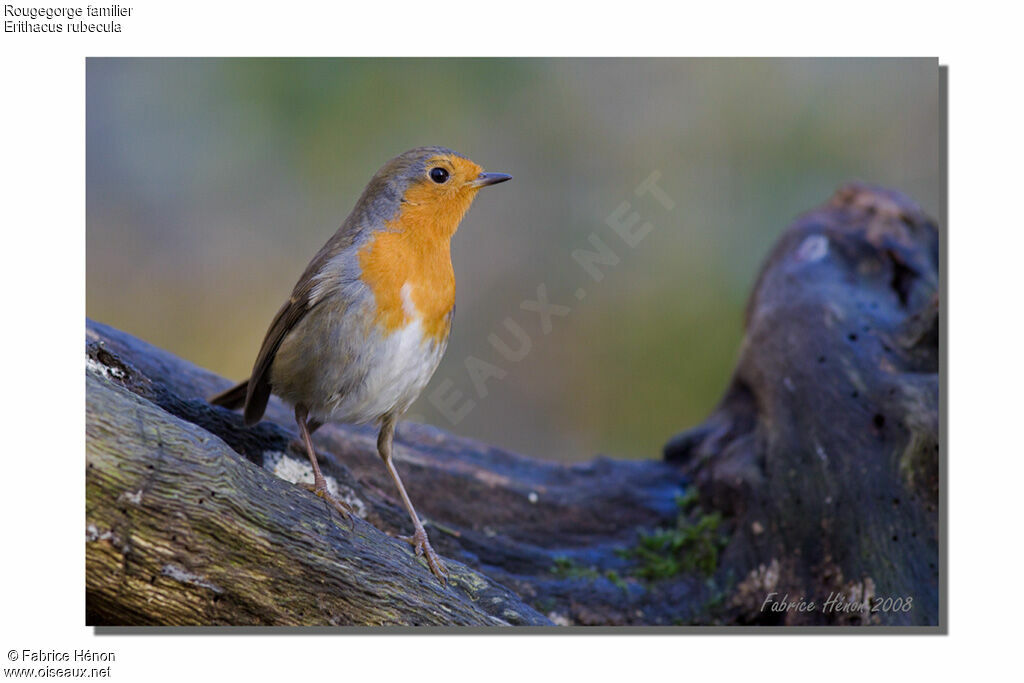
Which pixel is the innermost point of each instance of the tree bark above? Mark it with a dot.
(817, 473)
(182, 531)
(824, 451)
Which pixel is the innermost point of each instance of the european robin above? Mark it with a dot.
(368, 320)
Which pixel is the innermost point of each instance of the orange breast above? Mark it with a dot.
(414, 250)
(414, 254)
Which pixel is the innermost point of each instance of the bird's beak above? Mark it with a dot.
(485, 179)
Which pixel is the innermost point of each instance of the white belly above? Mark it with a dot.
(343, 367)
(398, 368)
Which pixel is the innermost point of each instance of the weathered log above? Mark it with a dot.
(173, 507)
(802, 487)
(824, 450)
(180, 531)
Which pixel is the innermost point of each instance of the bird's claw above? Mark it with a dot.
(320, 490)
(421, 546)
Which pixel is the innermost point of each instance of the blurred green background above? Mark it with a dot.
(211, 183)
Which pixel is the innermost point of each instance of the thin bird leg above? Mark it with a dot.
(319, 486)
(419, 539)
(311, 425)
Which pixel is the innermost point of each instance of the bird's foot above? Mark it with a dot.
(421, 545)
(319, 488)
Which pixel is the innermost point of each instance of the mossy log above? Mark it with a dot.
(190, 519)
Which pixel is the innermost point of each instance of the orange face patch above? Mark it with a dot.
(414, 249)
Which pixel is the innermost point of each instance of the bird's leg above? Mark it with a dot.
(319, 486)
(419, 539)
(311, 425)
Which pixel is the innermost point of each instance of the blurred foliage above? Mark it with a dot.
(210, 184)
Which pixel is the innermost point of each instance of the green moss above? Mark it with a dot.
(688, 500)
(566, 568)
(716, 597)
(614, 577)
(692, 545)
(545, 605)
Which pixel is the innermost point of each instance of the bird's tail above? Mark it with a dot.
(233, 398)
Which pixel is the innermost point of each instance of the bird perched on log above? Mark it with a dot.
(368, 321)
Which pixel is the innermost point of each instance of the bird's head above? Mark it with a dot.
(435, 187)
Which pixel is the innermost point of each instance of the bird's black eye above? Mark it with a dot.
(438, 175)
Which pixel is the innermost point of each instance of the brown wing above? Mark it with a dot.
(376, 205)
(259, 382)
(296, 308)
